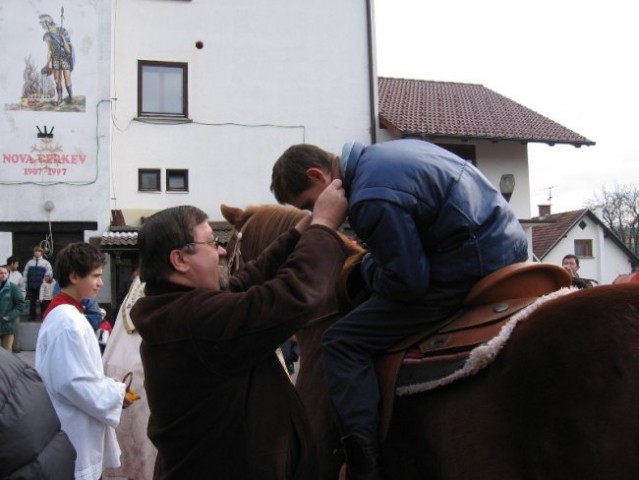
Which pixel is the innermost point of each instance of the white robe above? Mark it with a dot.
(122, 355)
(88, 403)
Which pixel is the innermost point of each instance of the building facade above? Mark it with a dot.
(138, 105)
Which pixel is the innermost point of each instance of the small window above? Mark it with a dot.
(162, 89)
(177, 180)
(583, 248)
(149, 180)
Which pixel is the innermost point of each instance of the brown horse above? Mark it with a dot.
(559, 402)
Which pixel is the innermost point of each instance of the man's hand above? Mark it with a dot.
(331, 206)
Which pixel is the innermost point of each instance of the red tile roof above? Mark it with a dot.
(546, 236)
(461, 110)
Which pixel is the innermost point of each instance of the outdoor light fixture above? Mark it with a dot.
(507, 185)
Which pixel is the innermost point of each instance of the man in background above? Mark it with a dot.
(34, 272)
(571, 264)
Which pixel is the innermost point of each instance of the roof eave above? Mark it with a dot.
(465, 138)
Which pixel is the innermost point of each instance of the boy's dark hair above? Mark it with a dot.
(163, 232)
(12, 259)
(289, 172)
(79, 258)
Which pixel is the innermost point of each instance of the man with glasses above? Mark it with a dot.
(221, 404)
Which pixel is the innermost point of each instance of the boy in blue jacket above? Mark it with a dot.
(434, 226)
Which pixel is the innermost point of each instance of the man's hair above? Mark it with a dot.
(162, 233)
(79, 258)
(12, 259)
(570, 255)
(38, 248)
(289, 172)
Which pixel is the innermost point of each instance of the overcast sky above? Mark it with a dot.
(574, 62)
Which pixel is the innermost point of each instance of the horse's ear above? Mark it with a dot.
(233, 215)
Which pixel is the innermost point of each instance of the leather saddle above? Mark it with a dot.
(486, 308)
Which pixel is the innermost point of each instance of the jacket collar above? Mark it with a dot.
(164, 286)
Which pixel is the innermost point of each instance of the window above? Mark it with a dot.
(177, 180)
(467, 152)
(162, 89)
(583, 248)
(149, 180)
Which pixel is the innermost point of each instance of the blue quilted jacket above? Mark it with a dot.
(433, 223)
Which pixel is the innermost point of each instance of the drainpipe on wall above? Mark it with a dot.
(372, 73)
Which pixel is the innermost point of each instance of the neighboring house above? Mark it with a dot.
(477, 124)
(602, 256)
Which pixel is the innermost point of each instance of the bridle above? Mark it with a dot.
(236, 255)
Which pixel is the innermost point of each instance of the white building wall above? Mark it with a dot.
(615, 264)
(71, 170)
(269, 75)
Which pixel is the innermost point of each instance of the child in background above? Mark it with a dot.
(46, 293)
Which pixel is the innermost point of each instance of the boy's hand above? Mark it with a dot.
(331, 206)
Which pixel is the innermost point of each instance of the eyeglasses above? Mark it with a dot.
(214, 242)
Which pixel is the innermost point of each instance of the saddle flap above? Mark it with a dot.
(471, 327)
(519, 280)
(482, 314)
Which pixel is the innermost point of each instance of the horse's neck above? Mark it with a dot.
(312, 389)
(309, 340)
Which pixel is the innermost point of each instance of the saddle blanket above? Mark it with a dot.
(421, 374)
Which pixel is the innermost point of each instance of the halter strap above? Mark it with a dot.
(237, 248)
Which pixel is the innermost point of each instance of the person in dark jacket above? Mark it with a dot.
(32, 445)
(221, 404)
(11, 306)
(433, 225)
(570, 263)
(34, 272)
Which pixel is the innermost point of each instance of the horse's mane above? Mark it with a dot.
(261, 225)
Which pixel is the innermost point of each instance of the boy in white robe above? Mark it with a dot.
(88, 403)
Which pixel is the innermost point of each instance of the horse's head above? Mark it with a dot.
(255, 227)
(253, 230)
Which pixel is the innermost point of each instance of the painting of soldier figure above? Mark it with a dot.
(49, 87)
